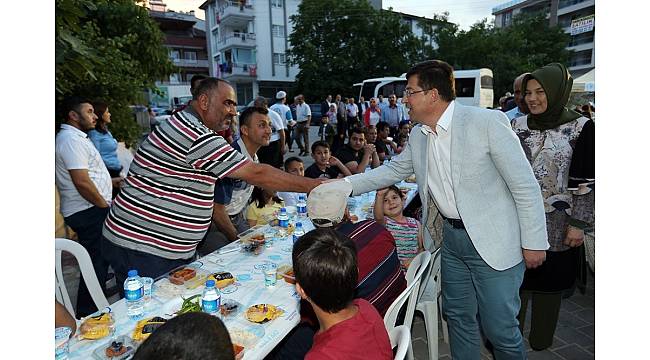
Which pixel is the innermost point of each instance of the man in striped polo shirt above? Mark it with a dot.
(165, 207)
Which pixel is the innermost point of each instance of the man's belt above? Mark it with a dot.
(456, 223)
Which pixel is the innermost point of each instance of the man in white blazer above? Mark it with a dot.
(470, 167)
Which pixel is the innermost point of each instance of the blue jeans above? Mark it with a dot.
(471, 289)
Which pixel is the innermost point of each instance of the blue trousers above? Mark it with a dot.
(472, 290)
(88, 226)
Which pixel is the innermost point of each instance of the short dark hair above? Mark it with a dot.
(396, 190)
(195, 79)
(72, 103)
(206, 86)
(290, 160)
(325, 266)
(382, 125)
(100, 108)
(435, 74)
(320, 143)
(246, 115)
(356, 130)
(190, 336)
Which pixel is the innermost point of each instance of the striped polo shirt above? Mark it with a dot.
(165, 205)
(381, 279)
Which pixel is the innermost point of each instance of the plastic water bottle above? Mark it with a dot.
(283, 218)
(301, 207)
(211, 299)
(298, 232)
(134, 294)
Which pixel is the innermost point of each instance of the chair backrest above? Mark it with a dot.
(416, 273)
(87, 271)
(400, 337)
(418, 266)
(430, 285)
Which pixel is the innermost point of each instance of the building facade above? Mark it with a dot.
(576, 17)
(248, 42)
(186, 40)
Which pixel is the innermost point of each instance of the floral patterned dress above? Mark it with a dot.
(557, 157)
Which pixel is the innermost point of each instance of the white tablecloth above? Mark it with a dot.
(250, 289)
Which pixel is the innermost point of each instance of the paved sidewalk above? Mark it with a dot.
(574, 336)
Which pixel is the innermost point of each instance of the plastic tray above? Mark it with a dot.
(100, 352)
(199, 278)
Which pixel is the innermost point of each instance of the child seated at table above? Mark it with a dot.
(326, 165)
(293, 165)
(264, 207)
(190, 336)
(389, 205)
(325, 267)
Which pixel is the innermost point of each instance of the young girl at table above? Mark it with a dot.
(264, 206)
(389, 205)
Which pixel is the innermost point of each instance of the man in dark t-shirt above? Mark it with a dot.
(356, 155)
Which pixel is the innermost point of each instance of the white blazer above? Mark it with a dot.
(497, 195)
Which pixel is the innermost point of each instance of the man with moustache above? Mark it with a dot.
(521, 109)
(85, 188)
(165, 208)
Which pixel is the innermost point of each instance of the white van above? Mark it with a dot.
(473, 87)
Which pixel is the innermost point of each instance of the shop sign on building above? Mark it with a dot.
(582, 25)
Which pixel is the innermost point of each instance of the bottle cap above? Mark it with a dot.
(283, 210)
(133, 273)
(209, 283)
(298, 224)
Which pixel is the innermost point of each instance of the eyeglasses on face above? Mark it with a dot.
(409, 93)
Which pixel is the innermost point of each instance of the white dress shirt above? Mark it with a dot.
(74, 151)
(302, 111)
(439, 166)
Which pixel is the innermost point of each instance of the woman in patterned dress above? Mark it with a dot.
(559, 143)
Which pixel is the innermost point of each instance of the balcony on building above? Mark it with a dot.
(569, 6)
(237, 71)
(236, 39)
(234, 13)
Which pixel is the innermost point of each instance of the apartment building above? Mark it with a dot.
(185, 38)
(576, 17)
(248, 41)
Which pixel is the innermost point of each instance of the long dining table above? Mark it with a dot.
(248, 289)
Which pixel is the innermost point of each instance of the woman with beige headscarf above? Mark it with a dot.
(559, 143)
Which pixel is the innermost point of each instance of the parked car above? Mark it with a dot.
(315, 114)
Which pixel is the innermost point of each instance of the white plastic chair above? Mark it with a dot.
(400, 337)
(414, 275)
(87, 271)
(428, 305)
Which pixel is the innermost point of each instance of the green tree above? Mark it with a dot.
(527, 44)
(337, 43)
(110, 50)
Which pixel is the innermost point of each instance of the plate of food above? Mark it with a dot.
(262, 313)
(98, 326)
(183, 305)
(230, 308)
(146, 327)
(120, 348)
(286, 272)
(188, 276)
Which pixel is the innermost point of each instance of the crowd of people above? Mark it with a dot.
(514, 190)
